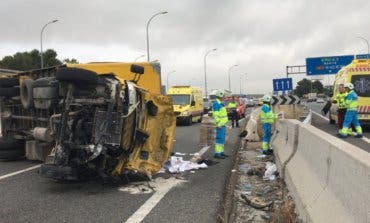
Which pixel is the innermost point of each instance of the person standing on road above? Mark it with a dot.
(234, 113)
(340, 100)
(220, 119)
(267, 119)
(351, 115)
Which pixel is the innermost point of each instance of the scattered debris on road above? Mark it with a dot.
(260, 195)
(147, 187)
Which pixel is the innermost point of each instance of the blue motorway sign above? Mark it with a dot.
(330, 65)
(282, 84)
(327, 65)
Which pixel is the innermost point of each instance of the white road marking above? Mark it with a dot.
(367, 140)
(19, 172)
(146, 208)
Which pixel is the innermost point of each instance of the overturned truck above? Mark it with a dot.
(81, 123)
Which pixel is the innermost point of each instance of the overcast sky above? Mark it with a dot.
(263, 37)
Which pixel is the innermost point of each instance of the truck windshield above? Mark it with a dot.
(362, 85)
(181, 99)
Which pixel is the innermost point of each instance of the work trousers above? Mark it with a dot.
(341, 113)
(351, 116)
(220, 140)
(266, 135)
(234, 118)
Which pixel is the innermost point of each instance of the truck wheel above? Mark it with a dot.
(9, 82)
(76, 75)
(200, 118)
(9, 91)
(11, 149)
(27, 93)
(189, 121)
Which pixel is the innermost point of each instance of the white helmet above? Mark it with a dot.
(266, 98)
(349, 85)
(219, 93)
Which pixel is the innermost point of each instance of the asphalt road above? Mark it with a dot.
(27, 197)
(323, 124)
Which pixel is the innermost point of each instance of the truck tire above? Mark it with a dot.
(11, 149)
(26, 90)
(189, 121)
(200, 118)
(76, 75)
(9, 91)
(9, 82)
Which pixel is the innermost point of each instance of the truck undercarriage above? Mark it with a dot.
(82, 124)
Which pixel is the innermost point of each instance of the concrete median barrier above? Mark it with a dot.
(328, 178)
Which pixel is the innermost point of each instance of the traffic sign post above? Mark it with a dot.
(282, 84)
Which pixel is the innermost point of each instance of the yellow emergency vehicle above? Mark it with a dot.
(187, 103)
(357, 73)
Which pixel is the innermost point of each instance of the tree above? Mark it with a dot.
(303, 87)
(73, 60)
(328, 90)
(30, 60)
(317, 87)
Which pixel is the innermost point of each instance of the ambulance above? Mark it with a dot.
(187, 103)
(357, 73)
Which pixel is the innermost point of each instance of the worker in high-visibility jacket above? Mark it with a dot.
(267, 119)
(340, 100)
(351, 116)
(220, 119)
(234, 112)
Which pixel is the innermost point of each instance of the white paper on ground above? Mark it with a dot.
(270, 171)
(178, 165)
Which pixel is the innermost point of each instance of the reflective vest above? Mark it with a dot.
(232, 105)
(351, 100)
(267, 116)
(341, 100)
(219, 113)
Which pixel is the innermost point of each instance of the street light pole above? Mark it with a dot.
(205, 70)
(240, 86)
(367, 42)
(139, 57)
(147, 31)
(168, 76)
(42, 30)
(235, 65)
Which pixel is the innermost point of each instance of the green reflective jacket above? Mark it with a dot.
(340, 97)
(232, 105)
(351, 100)
(267, 116)
(219, 113)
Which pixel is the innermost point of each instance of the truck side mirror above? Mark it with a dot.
(137, 69)
(192, 103)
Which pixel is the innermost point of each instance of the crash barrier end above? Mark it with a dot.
(328, 178)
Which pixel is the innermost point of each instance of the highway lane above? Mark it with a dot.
(27, 197)
(324, 125)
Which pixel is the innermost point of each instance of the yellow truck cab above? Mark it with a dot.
(187, 103)
(357, 73)
(149, 80)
